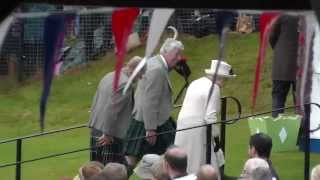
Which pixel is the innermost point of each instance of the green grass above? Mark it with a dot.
(71, 97)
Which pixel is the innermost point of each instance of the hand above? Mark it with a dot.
(105, 140)
(151, 140)
(217, 144)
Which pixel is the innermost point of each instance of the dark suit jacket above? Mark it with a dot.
(284, 41)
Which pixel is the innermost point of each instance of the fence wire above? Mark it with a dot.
(88, 36)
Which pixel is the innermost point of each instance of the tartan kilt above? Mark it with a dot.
(106, 153)
(139, 147)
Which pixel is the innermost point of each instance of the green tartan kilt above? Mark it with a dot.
(139, 147)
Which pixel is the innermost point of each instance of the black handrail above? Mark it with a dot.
(44, 133)
(223, 118)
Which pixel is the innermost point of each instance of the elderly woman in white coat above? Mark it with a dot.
(195, 112)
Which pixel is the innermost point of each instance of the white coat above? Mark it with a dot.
(193, 113)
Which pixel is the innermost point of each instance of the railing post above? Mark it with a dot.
(208, 152)
(307, 141)
(223, 125)
(18, 159)
(223, 130)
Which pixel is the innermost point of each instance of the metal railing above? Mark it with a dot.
(224, 121)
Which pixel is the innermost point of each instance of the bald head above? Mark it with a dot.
(176, 157)
(207, 172)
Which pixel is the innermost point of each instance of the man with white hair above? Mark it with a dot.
(153, 105)
(251, 165)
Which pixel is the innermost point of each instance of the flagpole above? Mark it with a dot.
(214, 77)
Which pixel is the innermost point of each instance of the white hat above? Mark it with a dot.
(143, 169)
(224, 70)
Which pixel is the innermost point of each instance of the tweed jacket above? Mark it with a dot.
(111, 111)
(153, 98)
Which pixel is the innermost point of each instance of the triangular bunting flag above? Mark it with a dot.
(122, 23)
(266, 21)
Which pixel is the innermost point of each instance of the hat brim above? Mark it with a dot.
(210, 72)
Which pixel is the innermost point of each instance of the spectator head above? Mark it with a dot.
(315, 173)
(114, 171)
(207, 172)
(158, 172)
(260, 146)
(89, 169)
(175, 161)
(251, 165)
(171, 50)
(261, 173)
(143, 169)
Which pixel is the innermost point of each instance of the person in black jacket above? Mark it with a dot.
(284, 42)
(260, 146)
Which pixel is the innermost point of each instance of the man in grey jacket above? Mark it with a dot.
(111, 113)
(153, 105)
(284, 42)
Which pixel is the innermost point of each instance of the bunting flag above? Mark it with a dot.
(266, 21)
(54, 29)
(222, 38)
(159, 20)
(305, 59)
(122, 23)
(4, 28)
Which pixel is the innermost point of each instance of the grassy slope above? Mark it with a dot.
(71, 97)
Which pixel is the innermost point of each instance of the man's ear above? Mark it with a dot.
(165, 165)
(254, 151)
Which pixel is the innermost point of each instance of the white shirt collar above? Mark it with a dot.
(164, 62)
(187, 177)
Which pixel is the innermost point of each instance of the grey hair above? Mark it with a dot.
(252, 164)
(171, 44)
(115, 171)
(261, 173)
(315, 173)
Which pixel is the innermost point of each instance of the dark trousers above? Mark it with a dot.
(280, 90)
(107, 153)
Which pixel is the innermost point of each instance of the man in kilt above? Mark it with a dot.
(111, 113)
(153, 105)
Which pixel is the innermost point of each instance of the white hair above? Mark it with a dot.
(315, 173)
(252, 164)
(171, 44)
(261, 173)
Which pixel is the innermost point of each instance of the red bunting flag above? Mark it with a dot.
(122, 23)
(266, 21)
